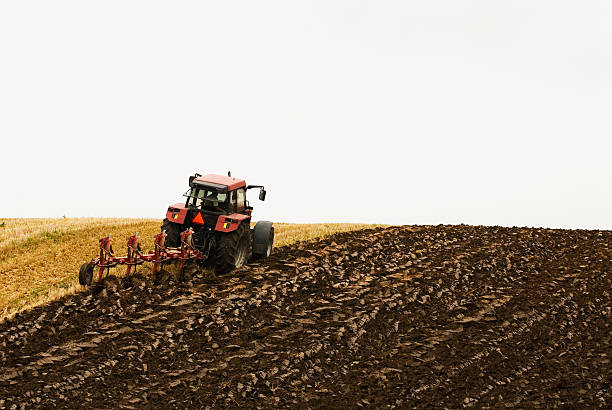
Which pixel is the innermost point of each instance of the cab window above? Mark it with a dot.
(233, 201)
(204, 198)
(240, 203)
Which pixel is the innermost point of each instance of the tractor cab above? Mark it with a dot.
(214, 201)
(219, 195)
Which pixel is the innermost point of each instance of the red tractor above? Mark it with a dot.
(220, 215)
(212, 226)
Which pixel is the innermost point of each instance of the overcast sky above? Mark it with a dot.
(402, 112)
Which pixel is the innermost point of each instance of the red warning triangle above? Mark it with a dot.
(198, 219)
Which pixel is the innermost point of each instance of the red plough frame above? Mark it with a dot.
(159, 256)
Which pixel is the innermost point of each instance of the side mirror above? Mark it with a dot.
(262, 195)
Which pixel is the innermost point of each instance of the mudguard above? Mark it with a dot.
(229, 223)
(176, 213)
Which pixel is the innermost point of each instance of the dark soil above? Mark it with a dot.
(445, 316)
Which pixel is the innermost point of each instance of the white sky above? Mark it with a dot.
(403, 112)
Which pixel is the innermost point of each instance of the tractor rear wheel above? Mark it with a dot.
(173, 233)
(233, 249)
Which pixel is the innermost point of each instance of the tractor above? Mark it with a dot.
(212, 227)
(220, 215)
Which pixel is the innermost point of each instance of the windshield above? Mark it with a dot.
(206, 198)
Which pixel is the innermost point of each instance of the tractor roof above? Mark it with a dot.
(229, 182)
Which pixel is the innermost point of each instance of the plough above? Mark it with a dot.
(159, 256)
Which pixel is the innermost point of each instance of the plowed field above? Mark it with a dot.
(445, 316)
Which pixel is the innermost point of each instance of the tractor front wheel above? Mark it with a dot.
(233, 249)
(263, 239)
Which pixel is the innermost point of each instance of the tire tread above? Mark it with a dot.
(227, 246)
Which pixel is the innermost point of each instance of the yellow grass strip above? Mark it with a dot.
(16, 234)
